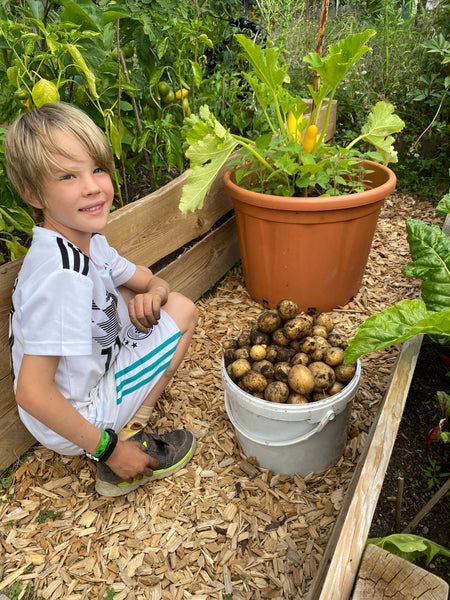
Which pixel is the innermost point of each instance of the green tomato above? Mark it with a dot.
(186, 107)
(168, 98)
(127, 50)
(164, 88)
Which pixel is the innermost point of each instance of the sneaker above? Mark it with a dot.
(172, 451)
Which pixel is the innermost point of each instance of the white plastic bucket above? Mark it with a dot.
(291, 438)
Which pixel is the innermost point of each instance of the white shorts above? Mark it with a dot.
(142, 360)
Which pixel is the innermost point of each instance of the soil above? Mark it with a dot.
(409, 461)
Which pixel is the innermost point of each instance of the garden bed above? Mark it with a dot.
(221, 525)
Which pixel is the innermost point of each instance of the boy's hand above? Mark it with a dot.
(129, 461)
(145, 310)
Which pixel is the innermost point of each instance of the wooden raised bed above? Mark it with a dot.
(338, 569)
(197, 248)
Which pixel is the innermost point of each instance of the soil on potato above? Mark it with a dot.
(409, 461)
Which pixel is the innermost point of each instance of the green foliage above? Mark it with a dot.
(48, 515)
(407, 67)
(277, 163)
(410, 547)
(430, 250)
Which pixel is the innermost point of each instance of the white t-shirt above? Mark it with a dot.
(66, 304)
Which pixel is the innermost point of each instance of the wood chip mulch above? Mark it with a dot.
(221, 525)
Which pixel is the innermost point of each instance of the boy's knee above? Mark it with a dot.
(182, 310)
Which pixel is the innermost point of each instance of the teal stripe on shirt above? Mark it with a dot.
(161, 369)
(131, 382)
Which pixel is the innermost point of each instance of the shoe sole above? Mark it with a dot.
(113, 490)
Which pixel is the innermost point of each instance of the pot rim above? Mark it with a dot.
(271, 201)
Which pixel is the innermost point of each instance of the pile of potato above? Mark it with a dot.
(288, 356)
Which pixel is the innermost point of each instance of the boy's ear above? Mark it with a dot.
(31, 199)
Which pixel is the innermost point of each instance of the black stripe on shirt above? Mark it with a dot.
(80, 260)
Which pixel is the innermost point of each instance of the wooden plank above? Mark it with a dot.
(383, 576)
(8, 274)
(155, 225)
(340, 562)
(205, 263)
(15, 439)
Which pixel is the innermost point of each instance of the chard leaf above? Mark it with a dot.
(444, 204)
(409, 546)
(394, 325)
(430, 251)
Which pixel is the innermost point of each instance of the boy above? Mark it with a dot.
(94, 338)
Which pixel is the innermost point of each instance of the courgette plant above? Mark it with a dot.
(290, 157)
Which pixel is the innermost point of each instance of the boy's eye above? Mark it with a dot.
(66, 177)
(98, 170)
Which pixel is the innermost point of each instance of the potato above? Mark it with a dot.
(280, 338)
(228, 356)
(242, 352)
(287, 309)
(345, 373)
(316, 396)
(301, 358)
(244, 338)
(230, 344)
(297, 399)
(323, 375)
(317, 355)
(254, 382)
(269, 321)
(337, 387)
(258, 352)
(277, 353)
(277, 391)
(238, 368)
(321, 342)
(325, 320)
(309, 345)
(337, 340)
(320, 330)
(301, 380)
(333, 356)
(258, 337)
(281, 371)
(265, 367)
(297, 328)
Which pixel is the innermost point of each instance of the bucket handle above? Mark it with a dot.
(330, 415)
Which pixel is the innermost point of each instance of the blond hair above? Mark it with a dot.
(30, 145)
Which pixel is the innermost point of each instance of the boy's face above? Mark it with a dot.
(78, 196)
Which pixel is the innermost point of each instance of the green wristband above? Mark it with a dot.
(102, 446)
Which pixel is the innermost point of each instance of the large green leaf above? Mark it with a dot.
(430, 251)
(83, 12)
(381, 123)
(341, 57)
(265, 62)
(202, 176)
(396, 324)
(206, 137)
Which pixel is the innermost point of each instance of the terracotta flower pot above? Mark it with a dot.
(311, 250)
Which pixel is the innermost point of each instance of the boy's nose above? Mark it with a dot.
(91, 185)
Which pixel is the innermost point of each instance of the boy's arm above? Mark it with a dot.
(37, 394)
(150, 294)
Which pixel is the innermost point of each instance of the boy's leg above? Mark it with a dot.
(185, 315)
